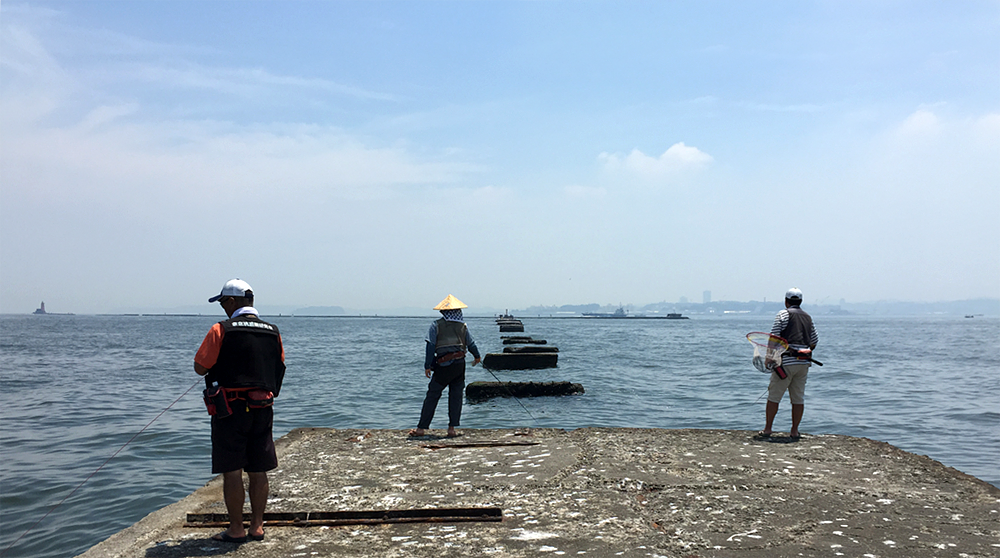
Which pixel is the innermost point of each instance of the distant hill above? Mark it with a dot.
(980, 307)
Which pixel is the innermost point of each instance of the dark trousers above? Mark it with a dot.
(452, 377)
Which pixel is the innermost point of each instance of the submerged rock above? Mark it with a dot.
(531, 349)
(523, 341)
(488, 390)
(520, 361)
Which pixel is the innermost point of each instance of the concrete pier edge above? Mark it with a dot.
(601, 492)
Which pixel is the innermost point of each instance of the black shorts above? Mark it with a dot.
(243, 440)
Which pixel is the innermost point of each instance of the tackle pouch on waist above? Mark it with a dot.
(216, 402)
(259, 398)
(450, 356)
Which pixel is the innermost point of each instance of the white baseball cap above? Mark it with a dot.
(793, 293)
(234, 287)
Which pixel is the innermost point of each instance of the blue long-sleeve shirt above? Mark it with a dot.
(431, 339)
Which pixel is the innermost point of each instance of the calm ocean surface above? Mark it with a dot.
(75, 388)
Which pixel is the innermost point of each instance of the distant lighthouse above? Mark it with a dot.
(41, 309)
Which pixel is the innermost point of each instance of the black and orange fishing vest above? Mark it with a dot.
(250, 355)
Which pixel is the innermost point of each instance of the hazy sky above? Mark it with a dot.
(385, 154)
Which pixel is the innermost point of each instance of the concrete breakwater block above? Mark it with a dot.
(520, 361)
(511, 327)
(531, 349)
(510, 340)
(489, 390)
(598, 492)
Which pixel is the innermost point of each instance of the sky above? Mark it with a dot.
(386, 154)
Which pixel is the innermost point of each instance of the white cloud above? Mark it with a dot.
(936, 141)
(989, 123)
(678, 158)
(584, 192)
(921, 122)
(209, 160)
(242, 81)
(771, 107)
(106, 114)
(78, 134)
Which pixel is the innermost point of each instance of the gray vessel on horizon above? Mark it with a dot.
(621, 313)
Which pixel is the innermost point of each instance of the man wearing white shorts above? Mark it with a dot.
(795, 326)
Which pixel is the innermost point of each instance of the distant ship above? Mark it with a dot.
(621, 313)
(675, 316)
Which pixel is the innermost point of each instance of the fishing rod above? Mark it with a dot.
(53, 508)
(504, 384)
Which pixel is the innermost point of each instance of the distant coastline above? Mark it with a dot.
(981, 307)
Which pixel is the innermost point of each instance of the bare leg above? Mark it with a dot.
(770, 413)
(797, 411)
(232, 492)
(258, 501)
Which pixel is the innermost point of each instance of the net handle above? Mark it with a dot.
(757, 338)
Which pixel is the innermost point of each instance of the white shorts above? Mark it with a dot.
(795, 383)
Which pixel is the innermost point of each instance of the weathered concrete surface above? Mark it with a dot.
(603, 492)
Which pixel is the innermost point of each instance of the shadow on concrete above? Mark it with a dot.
(194, 547)
(432, 438)
(772, 439)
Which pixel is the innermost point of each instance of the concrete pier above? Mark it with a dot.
(603, 492)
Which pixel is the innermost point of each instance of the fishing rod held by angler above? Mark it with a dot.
(516, 398)
(108, 460)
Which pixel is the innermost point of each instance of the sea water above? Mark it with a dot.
(75, 389)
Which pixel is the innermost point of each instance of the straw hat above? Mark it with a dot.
(450, 303)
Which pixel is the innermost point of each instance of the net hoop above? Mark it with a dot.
(767, 350)
(766, 340)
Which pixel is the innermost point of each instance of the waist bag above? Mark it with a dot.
(451, 356)
(259, 398)
(216, 402)
(217, 399)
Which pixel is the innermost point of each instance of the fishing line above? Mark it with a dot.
(99, 468)
(761, 395)
(512, 394)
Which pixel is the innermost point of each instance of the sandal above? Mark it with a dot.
(226, 537)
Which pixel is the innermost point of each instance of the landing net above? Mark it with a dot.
(767, 350)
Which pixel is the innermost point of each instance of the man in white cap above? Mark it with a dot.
(244, 356)
(795, 326)
(448, 339)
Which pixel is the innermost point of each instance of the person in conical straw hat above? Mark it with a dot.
(448, 339)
